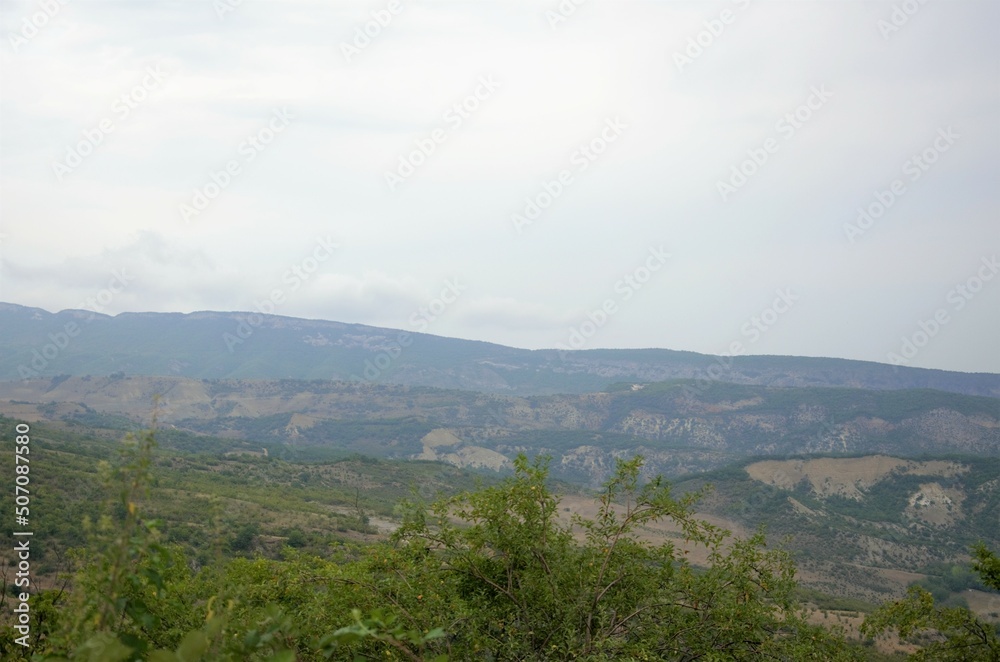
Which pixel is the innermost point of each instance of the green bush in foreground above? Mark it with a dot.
(530, 589)
(493, 574)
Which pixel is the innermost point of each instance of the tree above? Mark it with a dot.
(134, 597)
(531, 589)
(947, 633)
(987, 564)
(495, 573)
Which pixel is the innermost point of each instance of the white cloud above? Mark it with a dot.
(324, 175)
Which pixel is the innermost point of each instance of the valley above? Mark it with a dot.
(867, 485)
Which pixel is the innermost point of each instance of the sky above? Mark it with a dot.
(814, 178)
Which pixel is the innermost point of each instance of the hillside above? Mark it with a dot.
(679, 428)
(867, 526)
(248, 552)
(222, 496)
(860, 528)
(220, 345)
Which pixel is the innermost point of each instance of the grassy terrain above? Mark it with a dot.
(242, 496)
(224, 498)
(221, 495)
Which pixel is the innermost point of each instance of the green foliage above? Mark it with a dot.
(885, 501)
(987, 565)
(204, 500)
(243, 540)
(296, 538)
(945, 633)
(496, 573)
(944, 579)
(837, 536)
(327, 439)
(132, 596)
(531, 590)
(832, 602)
(384, 627)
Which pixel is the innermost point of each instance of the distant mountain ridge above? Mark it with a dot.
(228, 345)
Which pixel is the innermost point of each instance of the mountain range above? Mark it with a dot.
(227, 345)
(877, 475)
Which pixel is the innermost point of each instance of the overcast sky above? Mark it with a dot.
(528, 175)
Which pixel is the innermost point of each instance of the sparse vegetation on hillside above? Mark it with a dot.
(255, 526)
(508, 582)
(678, 430)
(853, 544)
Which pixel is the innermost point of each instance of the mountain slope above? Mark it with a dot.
(216, 345)
(866, 526)
(676, 427)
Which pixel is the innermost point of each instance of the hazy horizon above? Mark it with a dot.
(800, 179)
